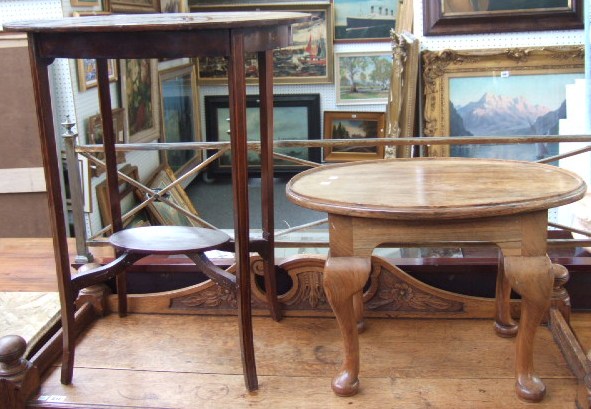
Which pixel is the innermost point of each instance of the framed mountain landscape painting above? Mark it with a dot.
(510, 92)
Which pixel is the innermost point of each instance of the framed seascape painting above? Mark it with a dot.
(86, 68)
(353, 125)
(139, 96)
(308, 60)
(490, 93)
(132, 6)
(402, 100)
(363, 78)
(180, 115)
(364, 20)
(443, 17)
(295, 117)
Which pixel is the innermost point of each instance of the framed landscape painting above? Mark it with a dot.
(443, 17)
(308, 60)
(514, 92)
(353, 125)
(363, 78)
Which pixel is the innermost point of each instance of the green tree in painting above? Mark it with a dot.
(381, 74)
(339, 131)
(351, 68)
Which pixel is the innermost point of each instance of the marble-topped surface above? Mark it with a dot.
(27, 313)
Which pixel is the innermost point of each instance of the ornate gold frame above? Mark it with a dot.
(402, 101)
(440, 66)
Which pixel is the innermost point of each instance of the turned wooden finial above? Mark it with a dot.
(12, 349)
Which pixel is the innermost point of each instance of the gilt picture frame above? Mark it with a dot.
(84, 3)
(353, 125)
(139, 97)
(94, 136)
(162, 212)
(87, 76)
(445, 17)
(128, 200)
(132, 6)
(401, 110)
(173, 6)
(309, 60)
(363, 77)
(497, 93)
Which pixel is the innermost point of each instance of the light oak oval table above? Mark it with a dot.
(429, 200)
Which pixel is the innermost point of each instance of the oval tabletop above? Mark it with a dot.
(160, 22)
(434, 188)
(168, 239)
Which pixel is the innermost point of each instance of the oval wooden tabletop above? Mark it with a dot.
(160, 22)
(434, 188)
(168, 239)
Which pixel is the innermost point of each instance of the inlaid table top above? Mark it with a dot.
(434, 188)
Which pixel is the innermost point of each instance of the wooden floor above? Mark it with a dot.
(157, 361)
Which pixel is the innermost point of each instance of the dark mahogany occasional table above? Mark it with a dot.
(224, 34)
(429, 200)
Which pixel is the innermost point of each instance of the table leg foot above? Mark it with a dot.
(345, 384)
(506, 330)
(530, 388)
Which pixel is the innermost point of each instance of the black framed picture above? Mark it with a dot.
(295, 117)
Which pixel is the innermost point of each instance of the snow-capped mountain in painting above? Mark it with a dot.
(501, 115)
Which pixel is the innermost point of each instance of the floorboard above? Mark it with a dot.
(145, 361)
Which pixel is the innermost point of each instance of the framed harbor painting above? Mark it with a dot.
(308, 60)
(443, 17)
(363, 77)
(353, 125)
(364, 20)
(295, 117)
(490, 93)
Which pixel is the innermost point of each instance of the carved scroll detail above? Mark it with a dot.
(396, 294)
(212, 297)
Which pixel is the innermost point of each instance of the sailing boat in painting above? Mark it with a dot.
(315, 51)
